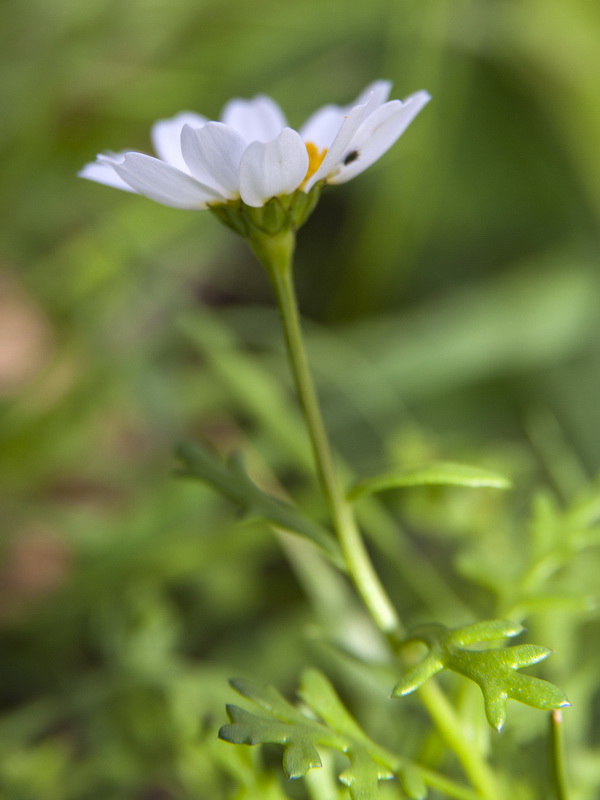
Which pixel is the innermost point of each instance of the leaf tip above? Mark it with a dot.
(401, 689)
(222, 734)
(509, 628)
(495, 710)
(241, 686)
(298, 758)
(227, 733)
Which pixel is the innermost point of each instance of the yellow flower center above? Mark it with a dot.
(315, 159)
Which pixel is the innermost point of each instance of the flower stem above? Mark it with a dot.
(276, 253)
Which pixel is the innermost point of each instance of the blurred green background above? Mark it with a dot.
(450, 294)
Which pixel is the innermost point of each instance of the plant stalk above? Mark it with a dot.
(449, 726)
(276, 253)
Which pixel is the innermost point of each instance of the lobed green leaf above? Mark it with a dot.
(493, 670)
(319, 694)
(330, 725)
(487, 631)
(269, 699)
(231, 480)
(363, 775)
(300, 754)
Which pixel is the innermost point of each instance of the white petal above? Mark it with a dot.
(257, 120)
(379, 91)
(102, 172)
(213, 154)
(341, 143)
(378, 133)
(277, 167)
(323, 126)
(166, 136)
(162, 182)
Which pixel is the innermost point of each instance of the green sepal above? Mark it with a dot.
(270, 219)
(493, 670)
(323, 721)
(231, 480)
(286, 212)
(231, 214)
(441, 473)
(302, 205)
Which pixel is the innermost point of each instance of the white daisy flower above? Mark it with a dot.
(252, 155)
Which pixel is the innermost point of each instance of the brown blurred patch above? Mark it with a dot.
(25, 337)
(35, 563)
(77, 490)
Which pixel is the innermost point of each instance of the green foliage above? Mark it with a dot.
(324, 722)
(555, 570)
(442, 473)
(493, 670)
(460, 275)
(232, 481)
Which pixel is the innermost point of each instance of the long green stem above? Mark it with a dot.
(276, 254)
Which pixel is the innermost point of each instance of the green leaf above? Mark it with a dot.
(487, 631)
(442, 473)
(362, 776)
(231, 480)
(319, 694)
(299, 756)
(323, 722)
(495, 671)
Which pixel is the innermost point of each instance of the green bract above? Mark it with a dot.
(286, 212)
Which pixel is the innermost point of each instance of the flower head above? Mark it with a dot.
(252, 156)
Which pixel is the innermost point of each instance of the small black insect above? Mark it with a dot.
(352, 156)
